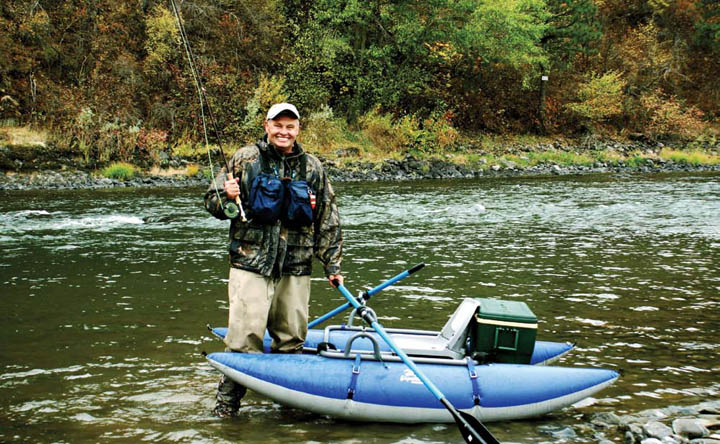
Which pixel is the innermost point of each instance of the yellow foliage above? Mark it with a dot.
(668, 117)
(192, 170)
(23, 135)
(162, 38)
(270, 90)
(388, 133)
(646, 57)
(600, 98)
(321, 132)
(439, 133)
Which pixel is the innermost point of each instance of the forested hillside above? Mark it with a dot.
(109, 79)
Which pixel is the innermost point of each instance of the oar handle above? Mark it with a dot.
(392, 280)
(366, 295)
(328, 315)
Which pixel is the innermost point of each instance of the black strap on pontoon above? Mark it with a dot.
(354, 378)
(474, 380)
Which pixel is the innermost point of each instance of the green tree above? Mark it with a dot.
(599, 98)
(407, 56)
(572, 32)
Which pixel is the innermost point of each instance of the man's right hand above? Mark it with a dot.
(232, 188)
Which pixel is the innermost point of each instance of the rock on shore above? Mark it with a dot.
(409, 168)
(697, 424)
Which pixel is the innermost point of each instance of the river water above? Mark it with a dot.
(106, 294)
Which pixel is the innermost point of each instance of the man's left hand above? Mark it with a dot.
(333, 277)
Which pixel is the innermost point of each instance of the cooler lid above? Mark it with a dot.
(511, 311)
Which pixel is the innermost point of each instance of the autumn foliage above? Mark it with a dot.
(111, 80)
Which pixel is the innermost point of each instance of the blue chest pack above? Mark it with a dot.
(272, 198)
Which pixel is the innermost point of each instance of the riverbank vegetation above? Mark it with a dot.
(469, 80)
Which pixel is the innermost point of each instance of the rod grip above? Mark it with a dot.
(237, 200)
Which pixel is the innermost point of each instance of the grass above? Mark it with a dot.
(23, 135)
(692, 157)
(525, 160)
(375, 142)
(167, 172)
(120, 171)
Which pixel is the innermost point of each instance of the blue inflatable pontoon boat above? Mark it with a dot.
(348, 372)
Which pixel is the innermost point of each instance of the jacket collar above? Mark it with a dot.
(270, 150)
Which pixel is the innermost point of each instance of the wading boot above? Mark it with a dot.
(228, 398)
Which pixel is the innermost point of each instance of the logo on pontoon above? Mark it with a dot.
(410, 377)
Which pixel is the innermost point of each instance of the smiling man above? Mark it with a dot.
(291, 217)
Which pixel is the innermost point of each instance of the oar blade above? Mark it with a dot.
(473, 429)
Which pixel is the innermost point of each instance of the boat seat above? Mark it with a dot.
(449, 343)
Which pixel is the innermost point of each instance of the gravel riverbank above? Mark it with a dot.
(692, 424)
(409, 168)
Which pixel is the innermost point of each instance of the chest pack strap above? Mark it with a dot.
(267, 167)
(303, 167)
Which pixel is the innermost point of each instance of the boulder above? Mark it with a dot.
(655, 429)
(690, 428)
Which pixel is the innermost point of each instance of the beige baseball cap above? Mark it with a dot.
(278, 108)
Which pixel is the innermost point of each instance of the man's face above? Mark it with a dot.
(282, 132)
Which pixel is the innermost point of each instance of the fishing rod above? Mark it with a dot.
(230, 209)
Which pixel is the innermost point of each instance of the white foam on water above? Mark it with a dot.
(33, 213)
(644, 308)
(24, 222)
(100, 222)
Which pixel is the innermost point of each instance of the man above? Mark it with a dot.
(270, 259)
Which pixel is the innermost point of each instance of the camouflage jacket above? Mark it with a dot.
(272, 250)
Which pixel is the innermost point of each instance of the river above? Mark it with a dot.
(106, 294)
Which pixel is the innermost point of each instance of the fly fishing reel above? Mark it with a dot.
(231, 210)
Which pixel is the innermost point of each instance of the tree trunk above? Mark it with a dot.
(542, 128)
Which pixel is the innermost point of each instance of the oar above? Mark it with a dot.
(367, 295)
(472, 430)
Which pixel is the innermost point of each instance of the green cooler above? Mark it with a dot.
(504, 331)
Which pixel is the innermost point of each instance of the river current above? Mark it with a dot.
(106, 295)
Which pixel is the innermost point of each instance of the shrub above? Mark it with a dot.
(84, 128)
(100, 139)
(162, 38)
(321, 132)
(669, 118)
(270, 90)
(438, 134)
(388, 133)
(600, 98)
(153, 143)
(119, 171)
(188, 149)
(192, 170)
(116, 140)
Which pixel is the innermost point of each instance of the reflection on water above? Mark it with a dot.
(105, 295)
